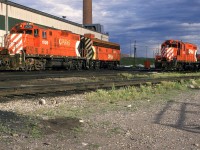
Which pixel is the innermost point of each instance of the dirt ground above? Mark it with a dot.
(172, 125)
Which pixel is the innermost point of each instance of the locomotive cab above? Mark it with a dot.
(22, 28)
(20, 45)
(20, 36)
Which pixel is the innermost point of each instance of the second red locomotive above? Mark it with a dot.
(32, 47)
(177, 55)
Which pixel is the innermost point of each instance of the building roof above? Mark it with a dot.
(42, 13)
(39, 12)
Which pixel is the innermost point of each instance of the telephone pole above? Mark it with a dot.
(6, 17)
(135, 53)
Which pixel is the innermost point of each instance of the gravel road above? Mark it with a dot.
(172, 125)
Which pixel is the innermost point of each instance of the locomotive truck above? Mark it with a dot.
(177, 55)
(33, 47)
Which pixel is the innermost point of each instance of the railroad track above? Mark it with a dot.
(86, 86)
(55, 74)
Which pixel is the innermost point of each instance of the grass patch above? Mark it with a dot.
(93, 146)
(5, 129)
(33, 129)
(77, 130)
(156, 75)
(62, 111)
(144, 92)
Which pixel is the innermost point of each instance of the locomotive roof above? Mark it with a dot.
(105, 42)
(44, 27)
(179, 41)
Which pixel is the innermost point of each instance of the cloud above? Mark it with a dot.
(71, 9)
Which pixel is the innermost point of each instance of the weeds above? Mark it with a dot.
(147, 91)
(5, 129)
(93, 146)
(34, 130)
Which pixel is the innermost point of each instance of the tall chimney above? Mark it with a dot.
(87, 12)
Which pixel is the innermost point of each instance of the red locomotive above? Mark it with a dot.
(32, 47)
(177, 55)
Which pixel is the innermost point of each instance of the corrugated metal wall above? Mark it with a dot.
(17, 15)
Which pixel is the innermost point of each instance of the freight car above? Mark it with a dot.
(33, 47)
(177, 55)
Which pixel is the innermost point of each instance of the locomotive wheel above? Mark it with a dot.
(79, 65)
(29, 67)
(97, 65)
(29, 64)
(92, 65)
(111, 66)
(69, 65)
(39, 65)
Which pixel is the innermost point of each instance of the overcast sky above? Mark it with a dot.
(149, 22)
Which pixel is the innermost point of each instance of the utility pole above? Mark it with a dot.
(6, 17)
(130, 48)
(135, 53)
(146, 52)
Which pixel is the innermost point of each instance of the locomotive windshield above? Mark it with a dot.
(169, 45)
(23, 31)
(174, 44)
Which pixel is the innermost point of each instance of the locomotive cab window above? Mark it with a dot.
(44, 34)
(28, 31)
(173, 45)
(36, 32)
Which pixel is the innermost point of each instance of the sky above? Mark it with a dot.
(148, 22)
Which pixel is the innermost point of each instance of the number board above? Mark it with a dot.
(28, 26)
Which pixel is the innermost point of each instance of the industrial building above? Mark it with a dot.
(12, 13)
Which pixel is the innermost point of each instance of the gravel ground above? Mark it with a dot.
(173, 125)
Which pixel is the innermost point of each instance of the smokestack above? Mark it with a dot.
(87, 12)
